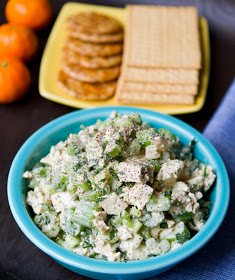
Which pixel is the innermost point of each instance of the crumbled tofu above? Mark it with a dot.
(86, 134)
(169, 173)
(107, 250)
(154, 231)
(163, 233)
(63, 200)
(113, 115)
(83, 251)
(28, 175)
(137, 253)
(124, 233)
(36, 199)
(186, 172)
(113, 204)
(170, 223)
(136, 169)
(133, 249)
(95, 148)
(158, 144)
(202, 178)
(181, 194)
(138, 195)
(55, 154)
(151, 152)
(51, 228)
(198, 222)
(99, 221)
(175, 245)
(81, 178)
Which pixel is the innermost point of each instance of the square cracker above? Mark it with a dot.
(148, 98)
(159, 88)
(162, 37)
(164, 76)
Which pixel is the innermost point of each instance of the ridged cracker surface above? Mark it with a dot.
(162, 37)
(95, 38)
(90, 75)
(92, 49)
(90, 22)
(158, 88)
(93, 62)
(140, 98)
(165, 76)
(86, 91)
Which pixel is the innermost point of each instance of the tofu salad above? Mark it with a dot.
(120, 190)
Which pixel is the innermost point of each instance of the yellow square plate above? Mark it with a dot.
(50, 63)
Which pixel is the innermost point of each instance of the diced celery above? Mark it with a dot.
(117, 148)
(144, 232)
(72, 149)
(61, 185)
(85, 187)
(169, 135)
(158, 204)
(135, 212)
(84, 213)
(43, 172)
(134, 148)
(33, 183)
(182, 217)
(135, 118)
(184, 236)
(179, 234)
(143, 136)
(157, 248)
(152, 219)
(98, 124)
(156, 165)
(115, 184)
(70, 226)
(133, 224)
(69, 242)
(93, 195)
(116, 221)
(125, 215)
(119, 122)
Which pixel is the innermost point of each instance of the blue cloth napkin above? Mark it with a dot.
(217, 259)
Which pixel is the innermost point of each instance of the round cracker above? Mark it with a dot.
(85, 91)
(93, 62)
(91, 75)
(96, 38)
(90, 22)
(91, 49)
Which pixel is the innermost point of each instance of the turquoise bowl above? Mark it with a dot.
(38, 145)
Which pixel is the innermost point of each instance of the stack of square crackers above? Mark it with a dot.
(162, 56)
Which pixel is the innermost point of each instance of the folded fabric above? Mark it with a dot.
(216, 260)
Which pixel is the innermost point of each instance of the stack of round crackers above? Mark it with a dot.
(92, 55)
